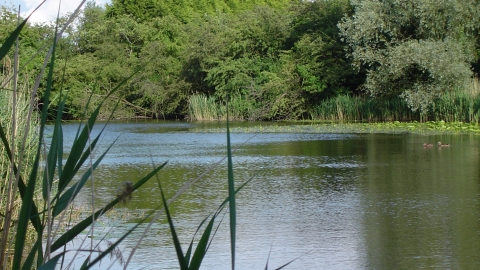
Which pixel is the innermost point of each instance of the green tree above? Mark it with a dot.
(32, 47)
(238, 56)
(185, 10)
(318, 51)
(417, 49)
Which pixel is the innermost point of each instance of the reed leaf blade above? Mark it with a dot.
(52, 263)
(7, 45)
(69, 195)
(76, 152)
(82, 225)
(201, 248)
(231, 196)
(178, 248)
(27, 199)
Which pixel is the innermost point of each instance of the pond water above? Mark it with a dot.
(327, 201)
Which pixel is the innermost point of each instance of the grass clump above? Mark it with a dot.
(203, 108)
(460, 105)
(359, 108)
(21, 133)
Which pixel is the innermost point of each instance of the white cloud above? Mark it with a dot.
(48, 11)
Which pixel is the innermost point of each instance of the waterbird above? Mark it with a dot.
(427, 145)
(442, 145)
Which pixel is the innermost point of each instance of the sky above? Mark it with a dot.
(48, 11)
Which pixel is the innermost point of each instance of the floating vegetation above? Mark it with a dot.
(394, 127)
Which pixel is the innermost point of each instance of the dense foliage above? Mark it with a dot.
(415, 49)
(270, 59)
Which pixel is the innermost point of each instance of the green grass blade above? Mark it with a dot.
(35, 219)
(231, 196)
(285, 265)
(58, 122)
(288, 263)
(189, 251)
(69, 195)
(114, 245)
(25, 214)
(190, 247)
(227, 200)
(178, 248)
(51, 162)
(52, 263)
(8, 43)
(84, 113)
(27, 200)
(55, 154)
(84, 157)
(85, 263)
(201, 249)
(76, 152)
(82, 225)
(28, 263)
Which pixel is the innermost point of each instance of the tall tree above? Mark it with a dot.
(417, 49)
(318, 50)
(185, 10)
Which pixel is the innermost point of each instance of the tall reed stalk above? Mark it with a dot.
(459, 105)
(356, 108)
(14, 101)
(203, 108)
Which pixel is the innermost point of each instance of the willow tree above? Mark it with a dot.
(417, 49)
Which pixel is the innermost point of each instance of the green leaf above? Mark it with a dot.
(7, 45)
(52, 263)
(73, 191)
(231, 195)
(201, 249)
(34, 218)
(178, 248)
(28, 263)
(82, 225)
(85, 263)
(51, 163)
(76, 152)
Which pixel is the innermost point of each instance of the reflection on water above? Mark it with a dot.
(359, 201)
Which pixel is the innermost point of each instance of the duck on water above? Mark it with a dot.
(440, 144)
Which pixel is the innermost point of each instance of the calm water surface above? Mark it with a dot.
(330, 201)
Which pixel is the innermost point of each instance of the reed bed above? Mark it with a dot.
(460, 105)
(14, 101)
(203, 108)
(359, 108)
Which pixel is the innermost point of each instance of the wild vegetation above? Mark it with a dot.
(279, 59)
(40, 183)
(261, 60)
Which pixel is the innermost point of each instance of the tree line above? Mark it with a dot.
(270, 59)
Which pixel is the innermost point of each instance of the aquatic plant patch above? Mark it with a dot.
(395, 127)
